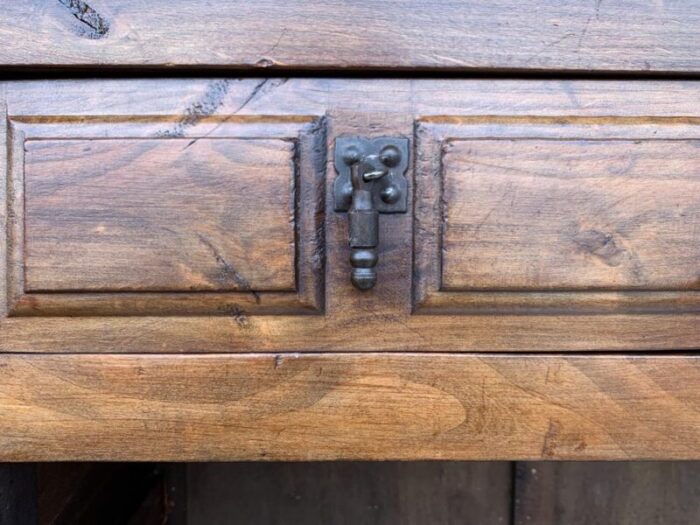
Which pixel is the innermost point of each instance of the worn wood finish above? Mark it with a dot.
(159, 215)
(631, 35)
(348, 493)
(348, 406)
(563, 295)
(629, 493)
(239, 331)
(571, 214)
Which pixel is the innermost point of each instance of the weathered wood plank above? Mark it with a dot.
(356, 330)
(348, 493)
(630, 35)
(629, 493)
(348, 406)
(197, 102)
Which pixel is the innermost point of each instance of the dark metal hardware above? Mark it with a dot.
(371, 180)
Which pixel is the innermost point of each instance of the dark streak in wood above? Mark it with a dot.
(228, 272)
(601, 245)
(95, 25)
(549, 444)
(203, 107)
(238, 315)
(261, 88)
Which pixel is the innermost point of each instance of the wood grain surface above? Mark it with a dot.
(4, 208)
(446, 492)
(571, 214)
(348, 406)
(629, 35)
(625, 167)
(159, 215)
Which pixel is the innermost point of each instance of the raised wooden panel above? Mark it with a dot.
(348, 406)
(113, 218)
(527, 210)
(159, 215)
(625, 35)
(571, 214)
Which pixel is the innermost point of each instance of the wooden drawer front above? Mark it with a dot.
(594, 207)
(116, 218)
(199, 215)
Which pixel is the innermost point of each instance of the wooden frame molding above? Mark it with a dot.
(348, 406)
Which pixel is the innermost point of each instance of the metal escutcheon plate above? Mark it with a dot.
(389, 153)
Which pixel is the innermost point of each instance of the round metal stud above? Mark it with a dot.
(390, 194)
(390, 156)
(351, 155)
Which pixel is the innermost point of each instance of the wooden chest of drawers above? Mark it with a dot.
(181, 278)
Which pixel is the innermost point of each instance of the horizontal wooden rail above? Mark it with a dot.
(348, 406)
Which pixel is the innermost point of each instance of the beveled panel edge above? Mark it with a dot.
(434, 133)
(15, 212)
(4, 186)
(308, 136)
(545, 302)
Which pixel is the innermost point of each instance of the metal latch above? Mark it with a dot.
(371, 180)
